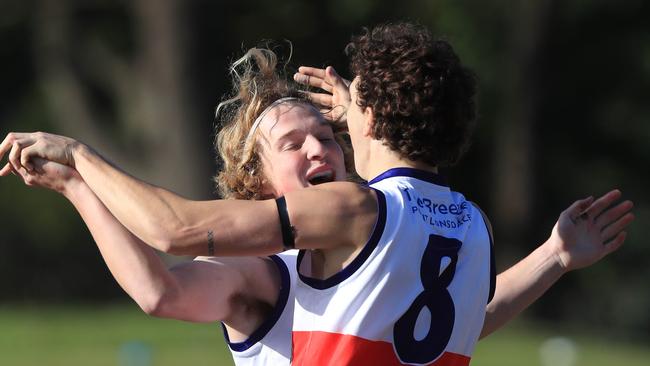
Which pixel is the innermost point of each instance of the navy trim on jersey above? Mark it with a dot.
(430, 177)
(493, 270)
(265, 327)
(356, 263)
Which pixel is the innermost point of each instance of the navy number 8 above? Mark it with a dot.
(436, 298)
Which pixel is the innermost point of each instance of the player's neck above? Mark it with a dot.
(381, 158)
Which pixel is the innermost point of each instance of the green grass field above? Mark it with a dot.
(122, 335)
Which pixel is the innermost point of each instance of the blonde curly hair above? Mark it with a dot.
(256, 85)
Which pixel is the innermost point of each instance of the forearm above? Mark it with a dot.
(179, 226)
(159, 217)
(519, 286)
(151, 213)
(133, 264)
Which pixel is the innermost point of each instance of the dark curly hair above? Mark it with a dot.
(421, 95)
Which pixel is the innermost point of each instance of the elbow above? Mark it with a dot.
(158, 305)
(172, 246)
(167, 241)
(160, 302)
(163, 243)
(174, 240)
(161, 234)
(152, 307)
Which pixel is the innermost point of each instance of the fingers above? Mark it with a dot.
(14, 143)
(25, 157)
(333, 78)
(615, 243)
(335, 114)
(312, 71)
(313, 81)
(38, 165)
(8, 142)
(602, 203)
(344, 82)
(609, 215)
(22, 173)
(6, 170)
(585, 203)
(617, 227)
(340, 86)
(301, 78)
(312, 77)
(577, 208)
(14, 155)
(14, 171)
(324, 100)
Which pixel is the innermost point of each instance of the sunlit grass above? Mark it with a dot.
(105, 336)
(532, 344)
(113, 335)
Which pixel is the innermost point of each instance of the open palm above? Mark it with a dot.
(589, 230)
(336, 99)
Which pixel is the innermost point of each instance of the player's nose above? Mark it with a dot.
(316, 149)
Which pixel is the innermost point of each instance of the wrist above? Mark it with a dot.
(556, 256)
(76, 150)
(72, 186)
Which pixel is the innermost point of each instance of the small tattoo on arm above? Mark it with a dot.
(210, 243)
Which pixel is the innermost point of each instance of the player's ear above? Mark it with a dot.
(368, 122)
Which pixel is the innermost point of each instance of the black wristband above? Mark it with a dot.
(287, 230)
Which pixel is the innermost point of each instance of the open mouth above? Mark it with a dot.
(321, 177)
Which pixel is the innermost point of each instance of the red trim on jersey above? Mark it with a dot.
(331, 349)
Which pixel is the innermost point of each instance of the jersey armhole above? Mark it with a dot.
(359, 260)
(274, 316)
(493, 272)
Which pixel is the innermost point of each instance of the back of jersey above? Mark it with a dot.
(417, 292)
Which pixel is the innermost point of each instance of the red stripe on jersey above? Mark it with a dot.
(331, 349)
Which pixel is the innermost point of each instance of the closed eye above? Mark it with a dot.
(291, 147)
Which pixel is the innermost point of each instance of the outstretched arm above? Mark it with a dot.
(196, 291)
(176, 225)
(585, 232)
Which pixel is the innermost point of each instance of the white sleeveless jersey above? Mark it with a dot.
(417, 292)
(270, 344)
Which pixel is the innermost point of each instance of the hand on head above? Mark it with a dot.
(589, 230)
(334, 103)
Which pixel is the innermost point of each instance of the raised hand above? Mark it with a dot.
(589, 230)
(334, 103)
(22, 147)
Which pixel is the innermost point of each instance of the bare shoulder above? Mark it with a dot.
(241, 291)
(343, 197)
(254, 278)
(319, 213)
(348, 187)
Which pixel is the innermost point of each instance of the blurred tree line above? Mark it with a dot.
(563, 115)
